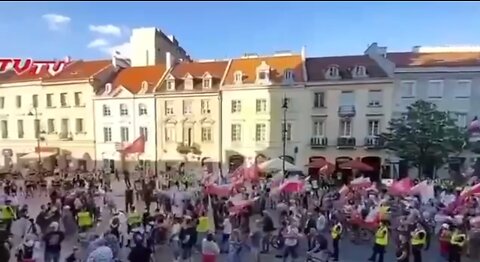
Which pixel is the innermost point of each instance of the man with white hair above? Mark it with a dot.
(53, 243)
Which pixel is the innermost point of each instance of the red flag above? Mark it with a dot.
(138, 146)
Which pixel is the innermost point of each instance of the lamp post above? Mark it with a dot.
(37, 133)
(284, 132)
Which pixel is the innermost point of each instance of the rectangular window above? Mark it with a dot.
(236, 133)
(319, 100)
(435, 89)
(79, 128)
(347, 98)
(169, 108)
(464, 89)
(63, 99)
(78, 98)
(236, 106)
(345, 128)
(36, 128)
(49, 100)
(19, 101)
(65, 128)
(261, 106)
(187, 107)
(107, 134)
(123, 110)
(4, 128)
(205, 106)
(51, 126)
(35, 101)
(2, 102)
(20, 128)
(144, 132)
(408, 89)
(124, 134)
(375, 98)
(373, 127)
(106, 111)
(188, 136)
(260, 132)
(170, 134)
(318, 128)
(206, 134)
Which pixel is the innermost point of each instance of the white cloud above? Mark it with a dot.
(106, 29)
(55, 21)
(99, 42)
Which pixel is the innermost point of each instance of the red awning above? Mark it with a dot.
(356, 164)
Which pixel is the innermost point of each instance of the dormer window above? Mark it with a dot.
(108, 88)
(170, 84)
(332, 73)
(288, 75)
(238, 77)
(359, 71)
(263, 73)
(188, 82)
(207, 83)
(144, 87)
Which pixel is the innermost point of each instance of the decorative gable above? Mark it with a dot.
(359, 71)
(332, 72)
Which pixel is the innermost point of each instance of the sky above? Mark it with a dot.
(207, 30)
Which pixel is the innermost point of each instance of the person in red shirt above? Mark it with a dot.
(445, 235)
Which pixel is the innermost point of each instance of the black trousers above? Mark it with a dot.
(336, 250)
(417, 253)
(377, 250)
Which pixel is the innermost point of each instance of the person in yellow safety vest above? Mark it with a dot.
(457, 241)
(381, 242)
(8, 215)
(336, 233)
(384, 211)
(202, 229)
(84, 220)
(418, 241)
(134, 219)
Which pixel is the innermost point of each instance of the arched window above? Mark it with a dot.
(332, 72)
(359, 71)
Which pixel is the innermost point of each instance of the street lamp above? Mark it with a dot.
(37, 133)
(284, 132)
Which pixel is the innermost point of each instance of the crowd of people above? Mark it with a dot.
(197, 218)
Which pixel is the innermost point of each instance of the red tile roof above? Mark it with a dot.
(317, 66)
(278, 64)
(197, 70)
(132, 78)
(80, 70)
(451, 59)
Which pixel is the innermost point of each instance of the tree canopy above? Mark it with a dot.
(424, 136)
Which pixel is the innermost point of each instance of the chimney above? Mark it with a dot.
(304, 53)
(168, 60)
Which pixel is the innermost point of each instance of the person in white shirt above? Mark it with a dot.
(291, 243)
(175, 240)
(210, 249)
(227, 231)
(321, 222)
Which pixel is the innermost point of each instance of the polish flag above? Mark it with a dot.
(138, 146)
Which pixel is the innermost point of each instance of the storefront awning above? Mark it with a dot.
(34, 155)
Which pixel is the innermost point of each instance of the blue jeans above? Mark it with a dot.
(290, 251)
(51, 256)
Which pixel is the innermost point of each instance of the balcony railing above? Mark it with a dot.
(65, 136)
(346, 111)
(346, 142)
(318, 142)
(374, 142)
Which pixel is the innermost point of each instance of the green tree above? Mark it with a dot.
(424, 136)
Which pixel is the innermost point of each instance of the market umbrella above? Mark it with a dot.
(356, 164)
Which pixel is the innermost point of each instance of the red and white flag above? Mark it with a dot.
(138, 146)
